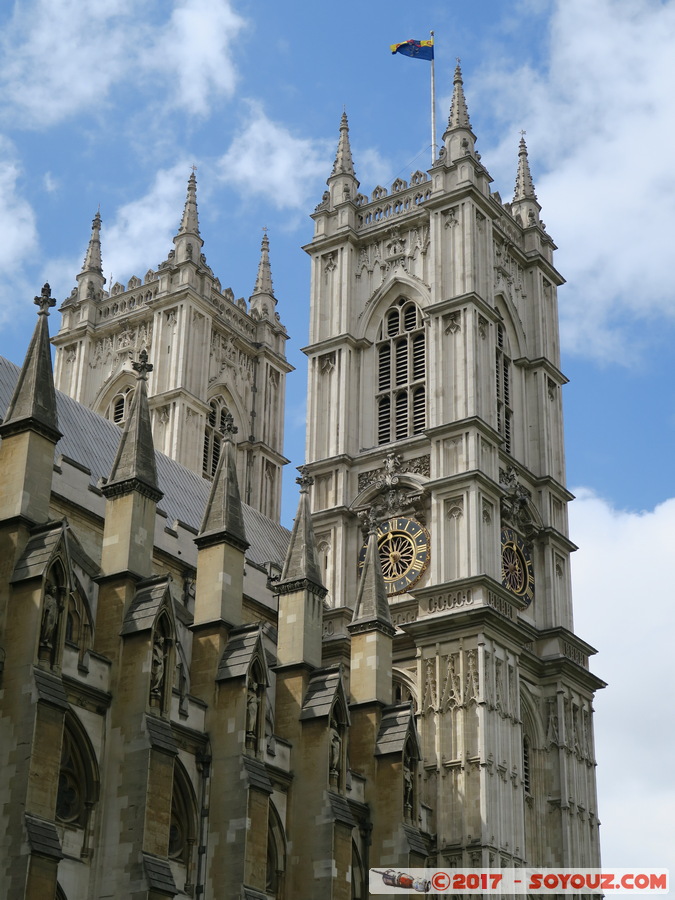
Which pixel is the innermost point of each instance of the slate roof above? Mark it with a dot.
(236, 658)
(323, 687)
(43, 837)
(38, 553)
(340, 809)
(161, 735)
(50, 688)
(92, 441)
(416, 840)
(257, 774)
(144, 607)
(158, 873)
(394, 729)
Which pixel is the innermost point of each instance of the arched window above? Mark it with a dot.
(503, 388)
(401, 373)
(276, 855)
(120, 405)
(526, 764)
(183, 828)
(358, 874)
(78, 778)
(213, 436)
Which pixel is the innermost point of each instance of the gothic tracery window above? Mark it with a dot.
(78, 778)
(401, 373)
(213, 436)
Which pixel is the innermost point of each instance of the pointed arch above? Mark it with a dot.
(221, 402)
(114, 399)
(183, 830)
(276, 854)
(396, 284)
(79, 776)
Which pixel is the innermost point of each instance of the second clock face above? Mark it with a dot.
(404, 553)
(517, 571)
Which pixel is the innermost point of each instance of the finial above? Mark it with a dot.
(45, 301)
(522, 132)
(142, 367)
(305, 480)
(194, 169)
(229, 428)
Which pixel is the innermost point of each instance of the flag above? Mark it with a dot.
(416, 49)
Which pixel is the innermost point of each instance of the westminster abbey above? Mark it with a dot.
(195, 702)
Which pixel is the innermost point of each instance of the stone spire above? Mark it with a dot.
(459, 113)
(372, 603)
(223, 517)
(524, 189)
(343, 164)
(33, 404)
(458, 140)
(525, 207)
(342, 184)
(188, 242)
(134, 466)
(263, 289)
(301, 564)
(190, 222)
(92, 260)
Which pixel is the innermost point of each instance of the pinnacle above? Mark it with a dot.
(343, 164)
(524, 189)
(263, 282)
(372, 604)
(301, 561)
(92, 259)
(190, 222)
(223, 516)
(134, 466)
(459, 113)
(33, 404)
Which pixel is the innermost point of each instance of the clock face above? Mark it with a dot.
(404, 553)
(517, 570)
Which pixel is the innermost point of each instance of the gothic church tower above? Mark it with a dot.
(435, 407)
(213, 356)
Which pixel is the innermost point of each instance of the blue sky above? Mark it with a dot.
(111, 103)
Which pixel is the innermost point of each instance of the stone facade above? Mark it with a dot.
(196, 703)
(212, 354)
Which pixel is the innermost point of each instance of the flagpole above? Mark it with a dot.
(433, 105)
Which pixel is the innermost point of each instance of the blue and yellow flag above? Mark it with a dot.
(416, 49)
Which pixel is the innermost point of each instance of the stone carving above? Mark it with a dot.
(482, 326)
(552, 735)
(407, 785)
(429, 701)
(330, 265)
(499, 684)
(453, 322)
(252, 707)
(515, 504)
(472, 684)
(326, 363)
(454, 508)
(50, 616)
(393, 467)
(158, 666)
(452, 688)
(487, 511)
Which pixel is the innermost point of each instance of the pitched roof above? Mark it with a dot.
(324, 686)
(143, 609)
(92, 441)
(237, 656)
(396, 724)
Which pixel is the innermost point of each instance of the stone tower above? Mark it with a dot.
(434, 346)
(213, 356)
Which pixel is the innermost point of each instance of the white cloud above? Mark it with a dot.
(624, 606)
(598, 117)
(195, 50)
(62, 57)
(18, 234)
(265, 159)
(136, 238)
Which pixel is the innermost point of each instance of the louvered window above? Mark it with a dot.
(401, 373)
(503, 389)
(120, 406)
(213, 436)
